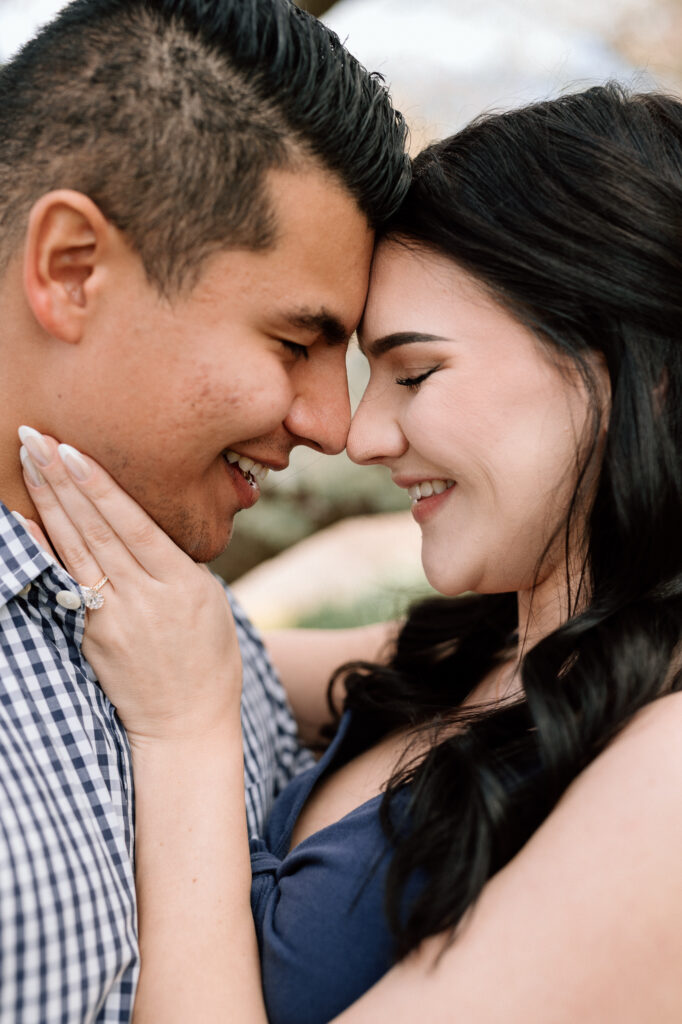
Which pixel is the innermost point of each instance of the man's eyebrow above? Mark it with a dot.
(380, 346)
(322, 323)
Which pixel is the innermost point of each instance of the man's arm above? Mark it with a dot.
(306, 658)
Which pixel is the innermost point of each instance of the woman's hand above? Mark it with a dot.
(163, 644)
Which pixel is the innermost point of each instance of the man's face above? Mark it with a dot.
(251, 361)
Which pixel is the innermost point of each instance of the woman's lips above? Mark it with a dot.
(424, 508)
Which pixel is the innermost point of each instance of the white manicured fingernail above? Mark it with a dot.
(31, 471)
(37, 446)
(74, 462)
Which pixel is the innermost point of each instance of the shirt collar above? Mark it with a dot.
(22, 559)
(25, 564)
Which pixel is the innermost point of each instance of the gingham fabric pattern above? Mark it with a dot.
(68, 946)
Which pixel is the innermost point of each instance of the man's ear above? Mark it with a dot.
(66, 237)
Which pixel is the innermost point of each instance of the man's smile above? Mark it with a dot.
(254, 472)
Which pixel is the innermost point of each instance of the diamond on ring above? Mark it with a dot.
(92, 598)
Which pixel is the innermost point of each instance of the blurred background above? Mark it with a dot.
(330, 544)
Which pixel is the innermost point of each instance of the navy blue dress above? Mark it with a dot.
(319, 913)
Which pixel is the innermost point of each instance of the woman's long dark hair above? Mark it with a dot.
(570, 213)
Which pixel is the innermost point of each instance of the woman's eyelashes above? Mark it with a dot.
(412, 383)
(299, 351)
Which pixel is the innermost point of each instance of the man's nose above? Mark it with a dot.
(319, 415)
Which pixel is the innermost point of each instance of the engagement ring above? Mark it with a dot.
(92, 598)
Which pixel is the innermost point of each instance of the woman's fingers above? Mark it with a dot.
(113, 529)
(66, 538)
(71, 521)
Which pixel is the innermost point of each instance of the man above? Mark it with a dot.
(188, 192)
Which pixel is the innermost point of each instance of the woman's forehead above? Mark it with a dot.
(421, 292)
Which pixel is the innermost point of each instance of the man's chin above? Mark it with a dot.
(208, 551)
(203, 542)
(201, 528)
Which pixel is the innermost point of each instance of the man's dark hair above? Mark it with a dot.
(168, 113)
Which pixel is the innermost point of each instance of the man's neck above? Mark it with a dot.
(13, 491)
(21, 381)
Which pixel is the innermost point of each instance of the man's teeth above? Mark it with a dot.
(251, 470)
(429, 487)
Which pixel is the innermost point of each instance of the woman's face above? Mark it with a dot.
(464, 401)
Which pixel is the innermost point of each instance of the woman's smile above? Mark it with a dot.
(431, 498)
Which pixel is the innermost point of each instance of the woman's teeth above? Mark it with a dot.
(427, 488)
(253, 471)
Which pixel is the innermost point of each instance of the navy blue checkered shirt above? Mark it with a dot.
(68, 944)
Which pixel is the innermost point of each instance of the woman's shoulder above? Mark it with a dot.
(646, 753)
(664, 713)
(583, 923)
(661, 718)
(631, 792)
(596, 893)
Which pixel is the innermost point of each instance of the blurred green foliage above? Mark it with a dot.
(377, 606)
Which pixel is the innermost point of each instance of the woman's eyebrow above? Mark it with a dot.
(380, 346)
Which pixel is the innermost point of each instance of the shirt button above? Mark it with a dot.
(67, 599)
(24, 590)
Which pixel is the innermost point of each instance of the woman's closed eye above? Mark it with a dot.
(412, 383)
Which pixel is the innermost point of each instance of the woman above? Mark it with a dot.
(522, 330)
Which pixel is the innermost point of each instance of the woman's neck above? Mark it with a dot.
(544, 607)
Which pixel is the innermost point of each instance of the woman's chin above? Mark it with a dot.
(444, 578)
(451, 581)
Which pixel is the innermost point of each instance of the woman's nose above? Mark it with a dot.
(375, 433)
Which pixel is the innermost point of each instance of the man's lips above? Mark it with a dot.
(247, 490)
(258, 466)
(253, 470)
(248, 473)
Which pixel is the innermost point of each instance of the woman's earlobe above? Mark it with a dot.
(63, 241)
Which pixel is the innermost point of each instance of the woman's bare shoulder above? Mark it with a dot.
(584, 923)
(659, 720)
(647, 753)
